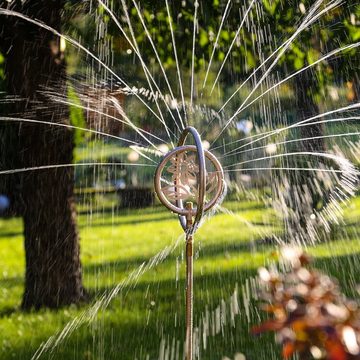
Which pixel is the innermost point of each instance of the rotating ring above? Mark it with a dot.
(202, 155)
(176, 209)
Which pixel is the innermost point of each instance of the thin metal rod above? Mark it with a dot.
(189, 283)
(202, 172)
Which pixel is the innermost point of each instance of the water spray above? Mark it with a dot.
(192, 175)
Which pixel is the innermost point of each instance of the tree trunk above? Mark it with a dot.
(35, 63)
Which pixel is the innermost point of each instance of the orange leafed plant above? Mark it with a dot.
(308, 312)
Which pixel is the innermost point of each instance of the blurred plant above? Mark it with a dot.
(309, 314)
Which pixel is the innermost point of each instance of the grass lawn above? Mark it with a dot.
(145, 320)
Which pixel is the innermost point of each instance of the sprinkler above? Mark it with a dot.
(189, 181)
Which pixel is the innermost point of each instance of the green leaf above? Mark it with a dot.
(101, 10)
(221, 55)
(250, 59)
(298, 63)
(270, 6)
(354, 31)
(225, 35)
(204, 39)
(297, 51)
(312, 55)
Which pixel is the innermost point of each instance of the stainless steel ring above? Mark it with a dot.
(176, 209)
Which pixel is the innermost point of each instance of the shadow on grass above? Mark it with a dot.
(9, 282)
(9, 310)
(118, 211)
(137, 221)
(10, 234)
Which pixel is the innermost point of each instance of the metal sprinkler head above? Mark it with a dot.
(189, 174)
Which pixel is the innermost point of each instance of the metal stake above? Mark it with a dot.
(189, 282)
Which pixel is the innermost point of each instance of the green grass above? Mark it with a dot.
(150, 309)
